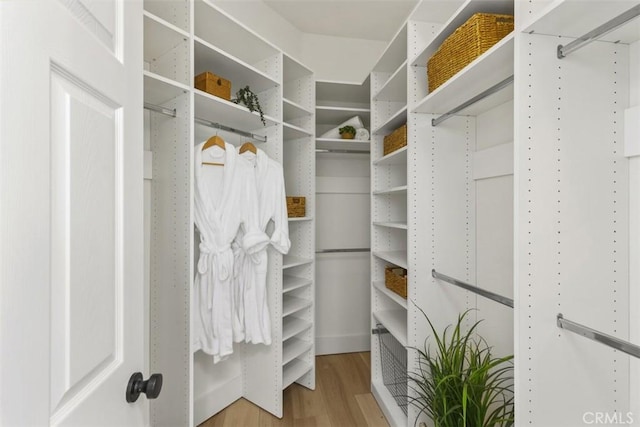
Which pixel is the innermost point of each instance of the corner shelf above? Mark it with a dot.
(159, 89)
(291, 305)
(216, 109)
(294, 370)
(398, 157)
(294, 132)
(290, 283)
(394, 89)
(392, 123)
(336, 115)
(392, 224)
(289, 261)
(398, 258)
(293, 110)
(396, 323)
(380, 286)
(395, 190)
(342, 144)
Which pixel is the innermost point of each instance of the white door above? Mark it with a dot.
(71, 327)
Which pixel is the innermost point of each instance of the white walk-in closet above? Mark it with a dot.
(515, 196)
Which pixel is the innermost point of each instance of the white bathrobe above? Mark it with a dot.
(225, 201)
(252, 322)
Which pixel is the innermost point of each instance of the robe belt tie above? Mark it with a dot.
(220, 256)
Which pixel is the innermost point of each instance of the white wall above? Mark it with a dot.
(340, 59)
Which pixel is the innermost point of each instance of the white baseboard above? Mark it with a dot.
(342, 344)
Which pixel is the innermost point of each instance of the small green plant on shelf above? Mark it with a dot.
(246, 97)
(461, 383)
(347, 132)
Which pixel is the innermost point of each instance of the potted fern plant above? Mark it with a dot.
(246, 97)
(460, 382)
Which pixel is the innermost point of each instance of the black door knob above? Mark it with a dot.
(137, 385)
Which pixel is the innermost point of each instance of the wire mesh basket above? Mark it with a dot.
(393, 357)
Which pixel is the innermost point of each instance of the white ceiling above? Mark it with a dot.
(361, 19)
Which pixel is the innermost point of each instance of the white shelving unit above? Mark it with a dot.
(175, 50)
(342, 194)
(298, 268)
(428, 211)
(572, 113)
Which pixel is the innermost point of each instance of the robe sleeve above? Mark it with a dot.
(254, 239)
(280, 236)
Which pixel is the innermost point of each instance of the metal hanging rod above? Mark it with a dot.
(215, 125)
(162, 110)
(493, 89)
(603, 29)
(487, 294)
(600, 337)
(329, 251)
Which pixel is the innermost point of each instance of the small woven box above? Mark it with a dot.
(395, 279)
(395, 140)
(465, 44)
(296, 207)
(213, 84)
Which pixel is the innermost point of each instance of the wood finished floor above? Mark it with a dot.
(342, 398)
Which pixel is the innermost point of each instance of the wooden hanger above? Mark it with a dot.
(247, 146)
(214, 141)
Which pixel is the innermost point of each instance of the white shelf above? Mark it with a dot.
(289, 261)
(390, 408)
(560, 18)
(293, 69)
(293, 348)
(300, 218)
(460, 17)
(394, 54)
(394, 89)
(294, 132)
(292, 326)
(159, 89)
(291, 304)
(380, 286)
(395, 190)
(293, 371)
(398, 258)
(398, 157)
(293, 110)
(396, 323)
(175, 13)
(343, 93)
(392, 224)
(215, 26)
(208, 57)
(342, 144)
(336, 115)
(392, 123)
(492, 67)
(289, 283)
(160, 37)
(218, 110)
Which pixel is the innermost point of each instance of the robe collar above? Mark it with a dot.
(260, 162)
(227, 177)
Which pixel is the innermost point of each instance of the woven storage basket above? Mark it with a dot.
(296, 207)
(213, 84)
(395, 279)
(395, 140)
(467, 42)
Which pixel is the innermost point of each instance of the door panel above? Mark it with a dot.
(71, 208)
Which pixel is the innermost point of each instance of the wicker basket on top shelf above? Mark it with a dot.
(467, 42)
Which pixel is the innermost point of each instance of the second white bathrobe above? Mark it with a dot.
(252, 322)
